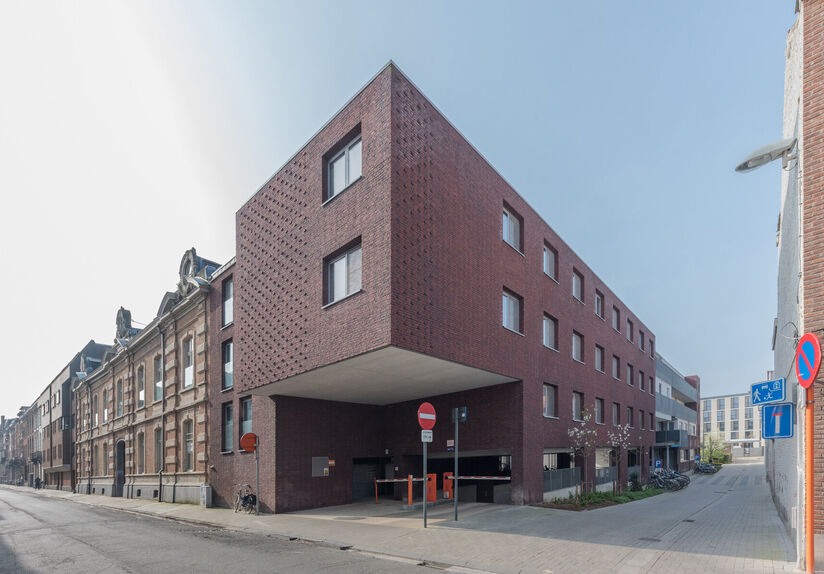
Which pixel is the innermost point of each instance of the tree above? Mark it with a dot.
(714, 449)
(619, 440)
(584, 439)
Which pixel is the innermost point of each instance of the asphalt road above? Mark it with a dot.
(39, 534)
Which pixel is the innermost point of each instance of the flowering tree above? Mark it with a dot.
(619, 440)
(584, 438)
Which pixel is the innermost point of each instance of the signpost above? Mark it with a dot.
(658, 464)
(768, 392)
(777, 420)
(807, 364)
(426, 419)
(458, 416)
(249, 443)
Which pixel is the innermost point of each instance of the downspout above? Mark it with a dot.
(162, 413)
(176, 421)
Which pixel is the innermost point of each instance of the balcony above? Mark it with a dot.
(673, 408)
(672, 438)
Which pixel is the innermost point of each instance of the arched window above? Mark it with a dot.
(188, 446)
(141, 453)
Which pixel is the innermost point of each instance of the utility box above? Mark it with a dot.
(431, 487)
(206, 495)
(448, 485)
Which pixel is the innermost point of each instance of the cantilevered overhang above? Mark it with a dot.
(383, 377)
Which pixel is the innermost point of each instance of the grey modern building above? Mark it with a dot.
(677, 438)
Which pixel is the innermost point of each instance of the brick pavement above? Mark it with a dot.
(720, 523)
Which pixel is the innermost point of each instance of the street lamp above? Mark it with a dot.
(768, 153)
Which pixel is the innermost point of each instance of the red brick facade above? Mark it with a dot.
(427, 212)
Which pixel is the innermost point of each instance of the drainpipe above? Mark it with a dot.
(163, 413)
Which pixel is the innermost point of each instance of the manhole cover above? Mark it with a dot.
(351, 517)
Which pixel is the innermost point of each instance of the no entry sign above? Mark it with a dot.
(426, 416)
(807, 359)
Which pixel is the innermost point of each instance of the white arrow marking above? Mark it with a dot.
(427, 416)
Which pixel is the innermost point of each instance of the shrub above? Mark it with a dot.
(635, 482)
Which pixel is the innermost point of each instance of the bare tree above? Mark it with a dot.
(584, 439)
(619, 440)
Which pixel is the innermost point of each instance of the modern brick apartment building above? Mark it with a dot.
(141, 428)
(388, 263)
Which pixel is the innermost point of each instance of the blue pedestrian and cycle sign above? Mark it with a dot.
(777, 420)
(768, 392)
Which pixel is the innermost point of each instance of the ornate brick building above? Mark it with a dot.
(141, 417)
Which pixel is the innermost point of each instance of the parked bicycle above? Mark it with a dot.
(245, 499)
(668, 480)
(705, 468)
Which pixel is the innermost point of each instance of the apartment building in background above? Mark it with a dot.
(387, 263)
(733, 420)
(141, 417)
(677, 433)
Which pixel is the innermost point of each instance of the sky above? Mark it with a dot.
(130, 132)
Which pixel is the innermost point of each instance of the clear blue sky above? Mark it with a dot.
(132, 132)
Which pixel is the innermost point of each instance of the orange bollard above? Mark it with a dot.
(431, 487)
(409, 494)
(447, 484)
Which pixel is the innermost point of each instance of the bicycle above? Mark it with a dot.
(245, 499)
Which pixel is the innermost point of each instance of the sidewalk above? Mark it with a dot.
(711, 526)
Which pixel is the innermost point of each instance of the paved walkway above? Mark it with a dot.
(721, 523)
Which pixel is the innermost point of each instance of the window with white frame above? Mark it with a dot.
(228, 301)
(550, 334)
(550, 400)
(343, 274)
(228, 365)
(188, 362)
(599, 411)
(616, 414)
(578, 346)
(599, 358)
(630, 375)
(344, 167)
(158, 378)
(599, 304)
(577, 405)
(629, 416)
(511, 228)
(141, 387)
(188, 446)
(616, 367)
(577, 285)
(550, 261)
(511, 310)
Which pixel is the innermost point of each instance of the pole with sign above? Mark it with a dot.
(426, 419)
(249, 443)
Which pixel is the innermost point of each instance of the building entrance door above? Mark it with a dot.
(119, 467)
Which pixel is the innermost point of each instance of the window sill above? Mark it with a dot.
(577, 420)
(597, 423)
(515, 249)
(227, 389)
(512, 330)
(579, 300)
(551, 348)
(227, 452)
(227, 325)
(344, 298)
(551, 417)
(551, 277)
(616, 378)
(601, 317)
(577, 361)
(338, 194)
(603, 372)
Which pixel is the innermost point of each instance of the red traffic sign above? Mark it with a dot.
(807, 359)
(248, 442)
(426, 416)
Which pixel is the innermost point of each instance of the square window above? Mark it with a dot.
(577, 285)
(512, 228)
(577, 405)
(550, 261)
(344, 168)
(599, 411)
(616, 319)
(511, 309)
(550, 400)
(550, 334)
(578, 347)
(616, 367)
(599, 358)
(343, 274)
(599, 304)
